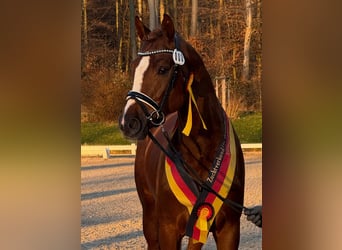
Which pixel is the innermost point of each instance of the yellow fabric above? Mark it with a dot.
(188, 124)
(203, 237)
(181, 197)
(202, 223)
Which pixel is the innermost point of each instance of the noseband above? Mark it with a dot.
(157, 116)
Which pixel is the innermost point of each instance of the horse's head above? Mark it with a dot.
(158, 80)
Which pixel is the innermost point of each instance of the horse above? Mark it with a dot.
(173, 112)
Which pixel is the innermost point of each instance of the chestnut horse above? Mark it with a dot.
(156, 112)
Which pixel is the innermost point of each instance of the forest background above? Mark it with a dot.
(227, 34)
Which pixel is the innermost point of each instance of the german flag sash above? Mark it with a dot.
(203, 206)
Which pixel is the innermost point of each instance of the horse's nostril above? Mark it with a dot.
(134, 124)
(132, 127)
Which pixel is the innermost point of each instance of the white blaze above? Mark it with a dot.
(138, 80)
(139, 73)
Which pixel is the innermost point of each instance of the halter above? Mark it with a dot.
(157, 116)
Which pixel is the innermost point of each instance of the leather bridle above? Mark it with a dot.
(157, 116)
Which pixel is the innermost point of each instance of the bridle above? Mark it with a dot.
(157, 116)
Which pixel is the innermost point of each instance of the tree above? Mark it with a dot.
(248, 35)
(84, 35)
(132, 29)
(227, 35)
(140, 7)
(194, 16)
(153, 8)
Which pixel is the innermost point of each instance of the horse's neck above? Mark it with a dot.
(201, 145)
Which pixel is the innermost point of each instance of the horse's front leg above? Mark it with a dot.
(163, 227)
(150, 224)
(227, 230)
(172, 219)
(228, 238)
(169, 236)
(161, 233)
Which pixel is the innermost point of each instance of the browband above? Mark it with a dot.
(148, 53)
(177, 55)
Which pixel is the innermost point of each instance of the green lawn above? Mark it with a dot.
(102, 134)
(248, 128)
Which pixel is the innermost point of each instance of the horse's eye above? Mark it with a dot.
(162, 70)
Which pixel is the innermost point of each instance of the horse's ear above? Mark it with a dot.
(142, 30)
(168, 27)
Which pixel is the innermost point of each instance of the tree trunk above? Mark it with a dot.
(117, 17)
(153, 8)
(211, 26)
(85, 35)
(175, 14)
(162, 10)
(185, 19)
(85, 25)
(194, 15)
(224, 93)
(220, 16)
(259, 56)
(233, 63)
(119, 66)
(219, 39)
(140, 7)
(248, 35)
(132, 30)
(121, 41)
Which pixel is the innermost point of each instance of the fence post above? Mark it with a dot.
(106, 154)
(133, 148)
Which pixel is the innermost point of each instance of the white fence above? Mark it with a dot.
(106, 151)
(251, 145)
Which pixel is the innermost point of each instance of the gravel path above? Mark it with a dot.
(111, 211)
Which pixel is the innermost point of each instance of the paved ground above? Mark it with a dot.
(111, 212)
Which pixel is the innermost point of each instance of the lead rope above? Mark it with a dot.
(176, 157)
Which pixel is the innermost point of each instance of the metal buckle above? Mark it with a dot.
(156, 118)
(178, 57)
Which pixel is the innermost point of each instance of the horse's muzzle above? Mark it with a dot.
(132, 127)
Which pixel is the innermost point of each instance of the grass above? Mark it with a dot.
(248, 128)
(102, 134)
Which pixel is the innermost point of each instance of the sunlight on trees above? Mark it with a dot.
(227, 34)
